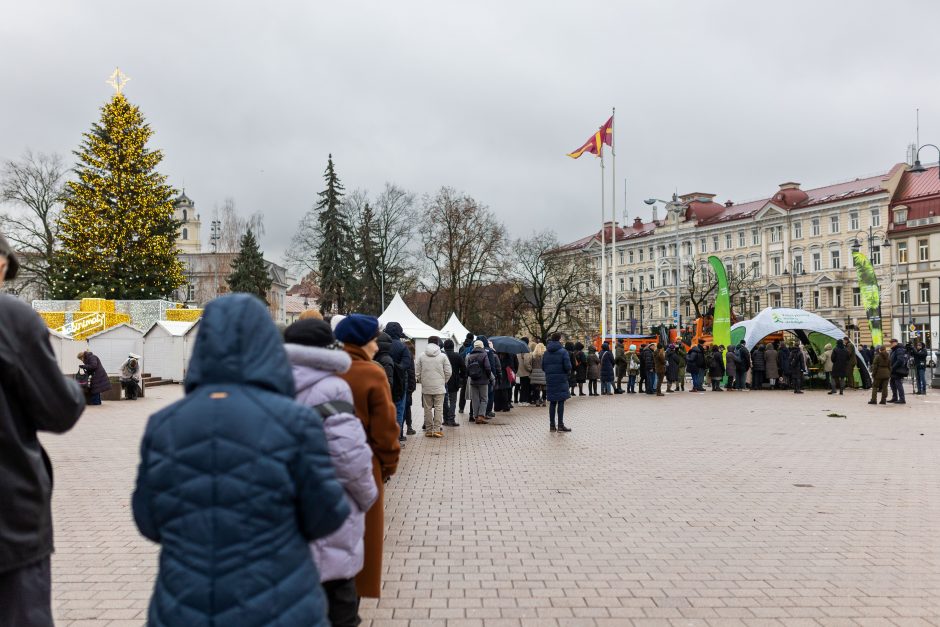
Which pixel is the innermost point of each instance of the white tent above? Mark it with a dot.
(397, 311)
(167, 347)
(454, 329)
(113, 345)
(66, 351)
(774, 320)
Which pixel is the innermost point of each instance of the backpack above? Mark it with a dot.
(476, 372)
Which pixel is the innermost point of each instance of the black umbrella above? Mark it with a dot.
(509, 345)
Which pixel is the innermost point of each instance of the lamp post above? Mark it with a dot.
(675, 208)
(635, 294)
(792, 276)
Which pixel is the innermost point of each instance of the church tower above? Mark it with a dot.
(188, 239)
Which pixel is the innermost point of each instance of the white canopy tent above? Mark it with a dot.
(454, 329)
(776, 319)
(398, 311)
(167, 347)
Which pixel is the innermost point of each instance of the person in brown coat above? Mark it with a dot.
(659, 366)
(880, 374)
(372, 398)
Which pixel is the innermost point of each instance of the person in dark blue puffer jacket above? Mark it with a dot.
(234, 480)
(556, 363)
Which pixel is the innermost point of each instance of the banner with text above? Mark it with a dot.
(871, 295)
(721, 325)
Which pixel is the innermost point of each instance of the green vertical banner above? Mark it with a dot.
(721, 325)
(871, 295)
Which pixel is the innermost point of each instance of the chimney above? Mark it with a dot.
(729, 203)
(789, 185)
(638, 223)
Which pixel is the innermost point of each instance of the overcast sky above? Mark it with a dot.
(247, 99)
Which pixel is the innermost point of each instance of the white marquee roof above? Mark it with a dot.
(454, 328)
(397, 311)
(173, 327)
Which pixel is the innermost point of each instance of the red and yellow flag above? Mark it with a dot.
(594, 145)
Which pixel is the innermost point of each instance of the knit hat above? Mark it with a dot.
(478, 344)
(469, 337)
(357, 329)
(310, 332)
(335, 320)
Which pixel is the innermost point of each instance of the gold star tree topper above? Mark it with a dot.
(118, 80)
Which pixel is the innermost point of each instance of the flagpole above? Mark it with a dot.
(613, 219)
(603, 251)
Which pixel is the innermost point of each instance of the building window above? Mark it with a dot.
(853, 220)
(630, 256)
(184, 215)
(923, 250)
(924, 293)
(620, 252)
(715, 242)
(621, 284)
(741, 239)
(876, 217)
(904, 295)
(642, 287)
(776, 264)
(775, 302)
(185, 233)
(798, 229)
(817, 262)
(834, 256)
(632, 312)
(652, 281)
(662, 278)
(190, 292)
(755, 269)
(797, 264)
(702, 246)
(741, 269)
(727, 269)
(640, 252)
(675, 279)
(876, 255)
(663, 308)
(856, 297)
(815, 224)
(662, 252)
(900, 216)
(902, 252)
(630, 279)
(837, 302)
(833, 224)
(755, 236)
(815, 299)
(728, 241)
(651, 253)
(799, 300)
(776, 234)
(688, 248)
(757, 303)
(688, 309)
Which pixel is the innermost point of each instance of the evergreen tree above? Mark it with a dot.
(117, 228)
(336, 256)
(248, 271)
(368, 263)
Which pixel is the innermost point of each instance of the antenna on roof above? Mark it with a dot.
(624, 201)
(917, 131)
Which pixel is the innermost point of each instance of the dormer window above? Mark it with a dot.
(184, 216)
(900, 215)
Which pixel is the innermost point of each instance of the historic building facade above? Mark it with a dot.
(791, 249)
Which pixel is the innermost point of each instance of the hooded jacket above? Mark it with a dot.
(34, 396)
(99, 376)
(556, 363)
(458, 371)
(234, 480)
(607, 364)
(340, 554)
(398, 350)
(433, 370)
(594, 365)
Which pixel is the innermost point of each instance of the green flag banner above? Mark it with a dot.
(721, 326)
(871, 295)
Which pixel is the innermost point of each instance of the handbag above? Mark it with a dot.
(83, 378)
(510, 375)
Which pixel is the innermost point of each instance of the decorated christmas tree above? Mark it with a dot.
(118, 234)
(336, 254)
(248, 271)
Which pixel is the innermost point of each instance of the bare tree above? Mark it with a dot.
(462, 242)
(35, 186)
(233, 226)
(702, 285)
(550, 281)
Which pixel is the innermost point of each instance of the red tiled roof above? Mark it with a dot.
(917, 184)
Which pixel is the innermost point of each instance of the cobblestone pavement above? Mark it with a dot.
(720, 509)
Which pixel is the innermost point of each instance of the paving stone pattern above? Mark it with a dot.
(694, 509)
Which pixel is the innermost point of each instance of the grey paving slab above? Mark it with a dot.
(750, 508)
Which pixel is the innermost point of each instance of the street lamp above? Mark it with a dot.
(917, 167)
(676, 208)
(792, 275)
(640, 293)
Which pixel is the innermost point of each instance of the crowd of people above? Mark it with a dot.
(264, 485)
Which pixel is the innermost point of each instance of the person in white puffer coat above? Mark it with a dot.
(433, 370)
(339, 556)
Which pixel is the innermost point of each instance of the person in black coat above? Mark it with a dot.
(759, 363)
(465, 349)
(458, 374)
(607, 370)
(556, 363)
(647, 369)
(580, 367)
(840, 366)
(899, 371)
(99, 381)
(672, 368)
(34, 396)
(716, 368)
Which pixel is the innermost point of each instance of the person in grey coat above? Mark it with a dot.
(315, 366)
